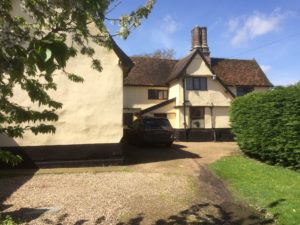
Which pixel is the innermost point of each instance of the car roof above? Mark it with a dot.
(154, 118)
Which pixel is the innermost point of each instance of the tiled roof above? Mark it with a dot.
(158, 72)
(149, 71)
(183, 63)
(239, 72)
(126, 61)
(158, 106)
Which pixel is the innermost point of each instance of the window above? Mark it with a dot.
(127, 119)
(157, 124)
(161, 115)
(242, 90)
(197, 117)
(196, 83)
(157, 94)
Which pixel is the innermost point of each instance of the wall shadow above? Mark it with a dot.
(10, 181)
(155, 153)
(12, 178)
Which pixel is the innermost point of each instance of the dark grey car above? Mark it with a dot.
(151, 130)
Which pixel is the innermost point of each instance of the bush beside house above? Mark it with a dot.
(267, 125)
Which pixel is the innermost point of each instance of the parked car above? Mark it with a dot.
(151, 130)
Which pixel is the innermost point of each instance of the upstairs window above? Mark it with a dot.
(242, 90)
(157, 94)
(196, 83)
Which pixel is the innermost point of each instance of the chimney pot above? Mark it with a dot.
(196, 38)
(204, 37)
(199, 41)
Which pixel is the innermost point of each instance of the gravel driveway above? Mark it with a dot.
(156, 186)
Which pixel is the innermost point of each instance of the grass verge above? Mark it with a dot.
(270, 188)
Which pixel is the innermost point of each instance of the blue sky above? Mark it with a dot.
(267, 30)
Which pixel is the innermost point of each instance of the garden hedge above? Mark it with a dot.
(266, 125)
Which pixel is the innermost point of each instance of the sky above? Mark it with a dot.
(266, 30)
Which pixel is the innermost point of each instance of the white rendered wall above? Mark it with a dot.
(92, 110)
(137, 97)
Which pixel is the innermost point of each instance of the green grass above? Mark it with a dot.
(267, 187)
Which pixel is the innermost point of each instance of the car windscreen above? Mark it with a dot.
(157, 124)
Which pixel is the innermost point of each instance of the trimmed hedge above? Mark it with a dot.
(266, 125)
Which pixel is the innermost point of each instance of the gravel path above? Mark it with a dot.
(89, 197)
(157, 186)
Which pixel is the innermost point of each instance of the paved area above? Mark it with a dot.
(155, 186)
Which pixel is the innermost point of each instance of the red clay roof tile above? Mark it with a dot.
(158, 72)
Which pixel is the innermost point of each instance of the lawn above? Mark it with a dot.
(270, 188)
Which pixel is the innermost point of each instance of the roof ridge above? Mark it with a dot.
(233, 59)
(161, 104)
(149, 57)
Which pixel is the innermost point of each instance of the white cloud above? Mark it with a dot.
(266, 68)
(233, 24)
(246, 28)
(169, 24)
(214, 25)
(163, 35)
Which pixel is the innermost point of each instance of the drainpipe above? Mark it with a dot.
(212, 122)
(184, 110)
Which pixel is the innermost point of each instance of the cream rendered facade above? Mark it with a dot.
(136, 97)
(216, 100)
(200, 89)
(82, 119)
(92, 111)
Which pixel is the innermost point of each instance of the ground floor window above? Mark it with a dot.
(157, 94)
(161, 115)
(127, 119)
(197, 117)
(242, 90)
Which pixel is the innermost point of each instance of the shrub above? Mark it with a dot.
(266, 125)
(6, 221)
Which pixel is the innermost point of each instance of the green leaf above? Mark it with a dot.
(48, 54)
(9, 158)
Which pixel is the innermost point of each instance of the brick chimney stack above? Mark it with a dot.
(196, 38)
(199, 41)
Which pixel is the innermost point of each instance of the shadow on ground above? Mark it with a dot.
(194, 215)
(7, 172)
(9, 186)
(20, 177)
(155, 153)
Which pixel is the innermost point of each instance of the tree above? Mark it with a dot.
(161, 54)
(32, 50)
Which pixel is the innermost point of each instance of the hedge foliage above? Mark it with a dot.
(266, 125)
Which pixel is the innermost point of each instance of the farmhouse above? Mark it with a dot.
(194, 93)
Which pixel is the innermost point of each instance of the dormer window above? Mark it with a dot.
(196, 83)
